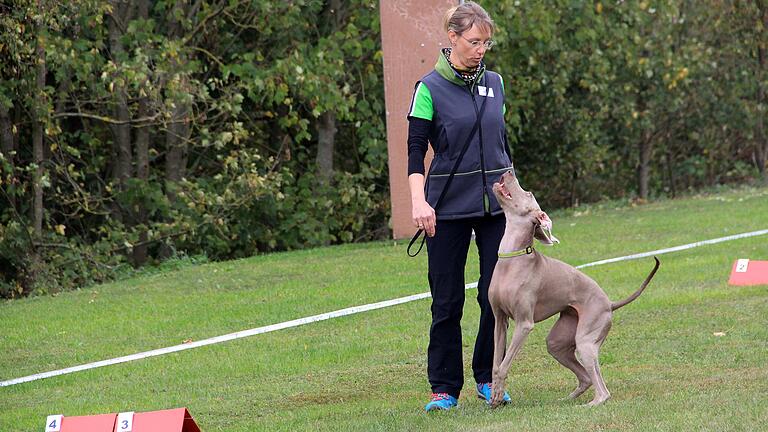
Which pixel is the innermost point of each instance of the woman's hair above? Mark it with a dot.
(461, 18)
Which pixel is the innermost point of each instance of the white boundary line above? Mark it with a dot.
(677, 248)
(335, 314)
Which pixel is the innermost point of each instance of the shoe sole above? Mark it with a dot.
(441, 409)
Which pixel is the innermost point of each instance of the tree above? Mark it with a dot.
(40, 110)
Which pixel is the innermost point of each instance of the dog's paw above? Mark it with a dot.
(497, 395)
(599, 400)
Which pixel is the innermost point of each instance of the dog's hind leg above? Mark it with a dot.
(561, 344)
(590, 334)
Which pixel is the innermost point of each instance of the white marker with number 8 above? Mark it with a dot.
(124, 422)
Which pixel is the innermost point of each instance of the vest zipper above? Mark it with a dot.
(486, 201)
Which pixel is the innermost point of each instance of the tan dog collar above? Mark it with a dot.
(526, 251)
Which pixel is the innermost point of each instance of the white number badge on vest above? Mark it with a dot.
(485, 91)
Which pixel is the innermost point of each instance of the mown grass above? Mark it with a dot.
(662, 362)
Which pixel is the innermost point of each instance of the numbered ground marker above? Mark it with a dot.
(170, 420)
(124, 422)
(742, 265)
(53, 423)
(749, 272)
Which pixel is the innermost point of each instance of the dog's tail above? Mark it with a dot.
(636, 294)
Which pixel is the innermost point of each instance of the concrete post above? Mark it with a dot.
(411, 37)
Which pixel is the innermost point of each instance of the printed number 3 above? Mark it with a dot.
(125, 425)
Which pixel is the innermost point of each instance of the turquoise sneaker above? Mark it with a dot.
(441, 401)
(484, 393)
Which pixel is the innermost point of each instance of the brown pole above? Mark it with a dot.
(411, 37)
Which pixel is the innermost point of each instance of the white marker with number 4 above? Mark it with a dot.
(53, 423)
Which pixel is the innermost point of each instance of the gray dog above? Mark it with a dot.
(529, 287)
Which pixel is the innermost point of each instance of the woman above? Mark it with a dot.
(445, 109)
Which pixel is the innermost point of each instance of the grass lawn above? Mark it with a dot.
(664, 365)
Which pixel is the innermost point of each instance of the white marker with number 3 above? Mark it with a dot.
(53, 423)
(124, 422)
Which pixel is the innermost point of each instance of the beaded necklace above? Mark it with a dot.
(468, 76)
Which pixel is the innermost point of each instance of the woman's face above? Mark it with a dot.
(469, 47)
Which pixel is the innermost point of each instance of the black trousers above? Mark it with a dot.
(447, 259)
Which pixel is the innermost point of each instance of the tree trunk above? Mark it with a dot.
(178, 131)
(332, 20)
(333, 16)
(142, 161)
(644, 166)
(573, 199)
(37, 129)
(7, 147)
(670, 173)
(761, 143)
(122, 131)
(17, 120)
(6, 135)
(176, 138)
(326, 137)
(61, 93)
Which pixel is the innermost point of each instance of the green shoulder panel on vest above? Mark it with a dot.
(503, 107)
(421, 105)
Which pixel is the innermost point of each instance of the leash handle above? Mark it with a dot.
(413, 240)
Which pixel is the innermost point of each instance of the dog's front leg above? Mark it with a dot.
(522, 329)
(500, 344)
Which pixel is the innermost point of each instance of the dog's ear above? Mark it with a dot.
(543, 230)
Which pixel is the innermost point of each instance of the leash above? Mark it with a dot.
(450, 179)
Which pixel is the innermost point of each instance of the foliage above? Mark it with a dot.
(590, 83)
(229, 107)
(178, 128)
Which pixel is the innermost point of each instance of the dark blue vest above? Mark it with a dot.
(455, 111)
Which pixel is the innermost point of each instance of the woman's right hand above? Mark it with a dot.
(424, 216)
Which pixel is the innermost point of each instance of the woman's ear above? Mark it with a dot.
(453, 37)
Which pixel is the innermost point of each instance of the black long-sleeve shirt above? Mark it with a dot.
(418, 143)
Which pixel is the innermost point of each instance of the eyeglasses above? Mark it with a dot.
(477, 44)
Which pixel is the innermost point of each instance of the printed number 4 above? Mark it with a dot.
(53, 423)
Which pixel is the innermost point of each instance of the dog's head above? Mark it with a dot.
(520, 204)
